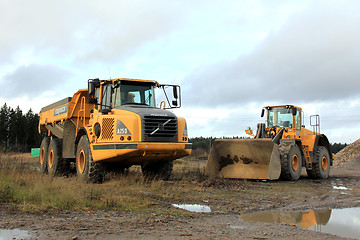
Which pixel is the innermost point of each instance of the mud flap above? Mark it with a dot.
(244, 158)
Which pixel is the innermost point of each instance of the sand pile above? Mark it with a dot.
(348, 154)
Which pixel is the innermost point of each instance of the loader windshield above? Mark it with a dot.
(279, 117)
(137, 93)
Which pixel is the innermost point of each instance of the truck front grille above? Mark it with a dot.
(160, 129)
(107, 131)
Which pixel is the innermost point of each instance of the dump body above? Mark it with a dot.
(120, 121)
(280, 149)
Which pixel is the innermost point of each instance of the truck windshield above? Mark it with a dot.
(139, 93)
(280, 117)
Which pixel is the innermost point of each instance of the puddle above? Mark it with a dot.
(342, 222)
(194, 207)
(236, 227)
(340, 188)
(6, 234)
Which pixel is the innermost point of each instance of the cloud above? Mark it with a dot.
(83, 30)
(314, 56)
(33, 80)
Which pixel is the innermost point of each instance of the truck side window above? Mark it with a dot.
(97, 96)
(106, 102)
(116, 100)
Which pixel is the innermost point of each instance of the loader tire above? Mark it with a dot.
(86, 169)
(161, 170)
(320, 168)
(291, 162)
(57, 166)
(43, 157)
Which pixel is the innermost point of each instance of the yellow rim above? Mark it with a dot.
(51, 158)
(81, 161)
(324, 163)
(295, 162)
(42, 156)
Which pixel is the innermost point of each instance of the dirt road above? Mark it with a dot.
(229, 201)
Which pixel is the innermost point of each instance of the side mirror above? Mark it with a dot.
(175, 93)
(92, 85)
(172, 94)
(262, 112)
(294, 110)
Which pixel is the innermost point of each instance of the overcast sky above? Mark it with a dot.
(230, 57)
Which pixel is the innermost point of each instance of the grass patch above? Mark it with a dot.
(23, 186)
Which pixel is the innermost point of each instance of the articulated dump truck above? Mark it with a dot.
(280, 148)
(111, 126)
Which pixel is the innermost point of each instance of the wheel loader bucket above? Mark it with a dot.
(244, 158)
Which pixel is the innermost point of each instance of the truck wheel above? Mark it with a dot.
(161, 170)
(291, 162)
(86, 169)
(43, 158)
(320, 168)
(57, 166)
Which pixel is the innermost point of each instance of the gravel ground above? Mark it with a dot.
(341, 190)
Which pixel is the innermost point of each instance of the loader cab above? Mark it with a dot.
(283, 117)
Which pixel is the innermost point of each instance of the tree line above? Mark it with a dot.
(18, 131)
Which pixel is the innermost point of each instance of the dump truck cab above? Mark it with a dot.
(125, 112)
(114, 124)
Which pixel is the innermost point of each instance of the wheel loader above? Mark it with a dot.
(110, 126)
(281, 147)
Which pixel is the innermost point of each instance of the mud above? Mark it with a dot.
(228, 201)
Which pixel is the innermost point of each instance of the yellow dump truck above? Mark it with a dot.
(281, 147)
(113, 125)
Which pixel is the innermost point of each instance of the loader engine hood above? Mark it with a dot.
(158, 125)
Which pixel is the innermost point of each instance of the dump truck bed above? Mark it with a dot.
(55, 111)
(70, 107)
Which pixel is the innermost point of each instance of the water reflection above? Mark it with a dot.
(301, 219)
(194, 207)
(342, 222)
(6, 234)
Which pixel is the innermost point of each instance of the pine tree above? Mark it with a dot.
(4, 126)
(33, 137)
(18, 132)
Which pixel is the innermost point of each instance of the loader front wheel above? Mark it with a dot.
(43, 158)
(88, 170)
(291, 162)
(321, 168)
(161, 170)
(57, 166)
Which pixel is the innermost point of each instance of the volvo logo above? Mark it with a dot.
(161, 126)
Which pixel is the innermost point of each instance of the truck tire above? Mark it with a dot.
(320, 168)
(88, 170)
(43, 157)
(57, 166)
(291, 162)
(161, 170)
